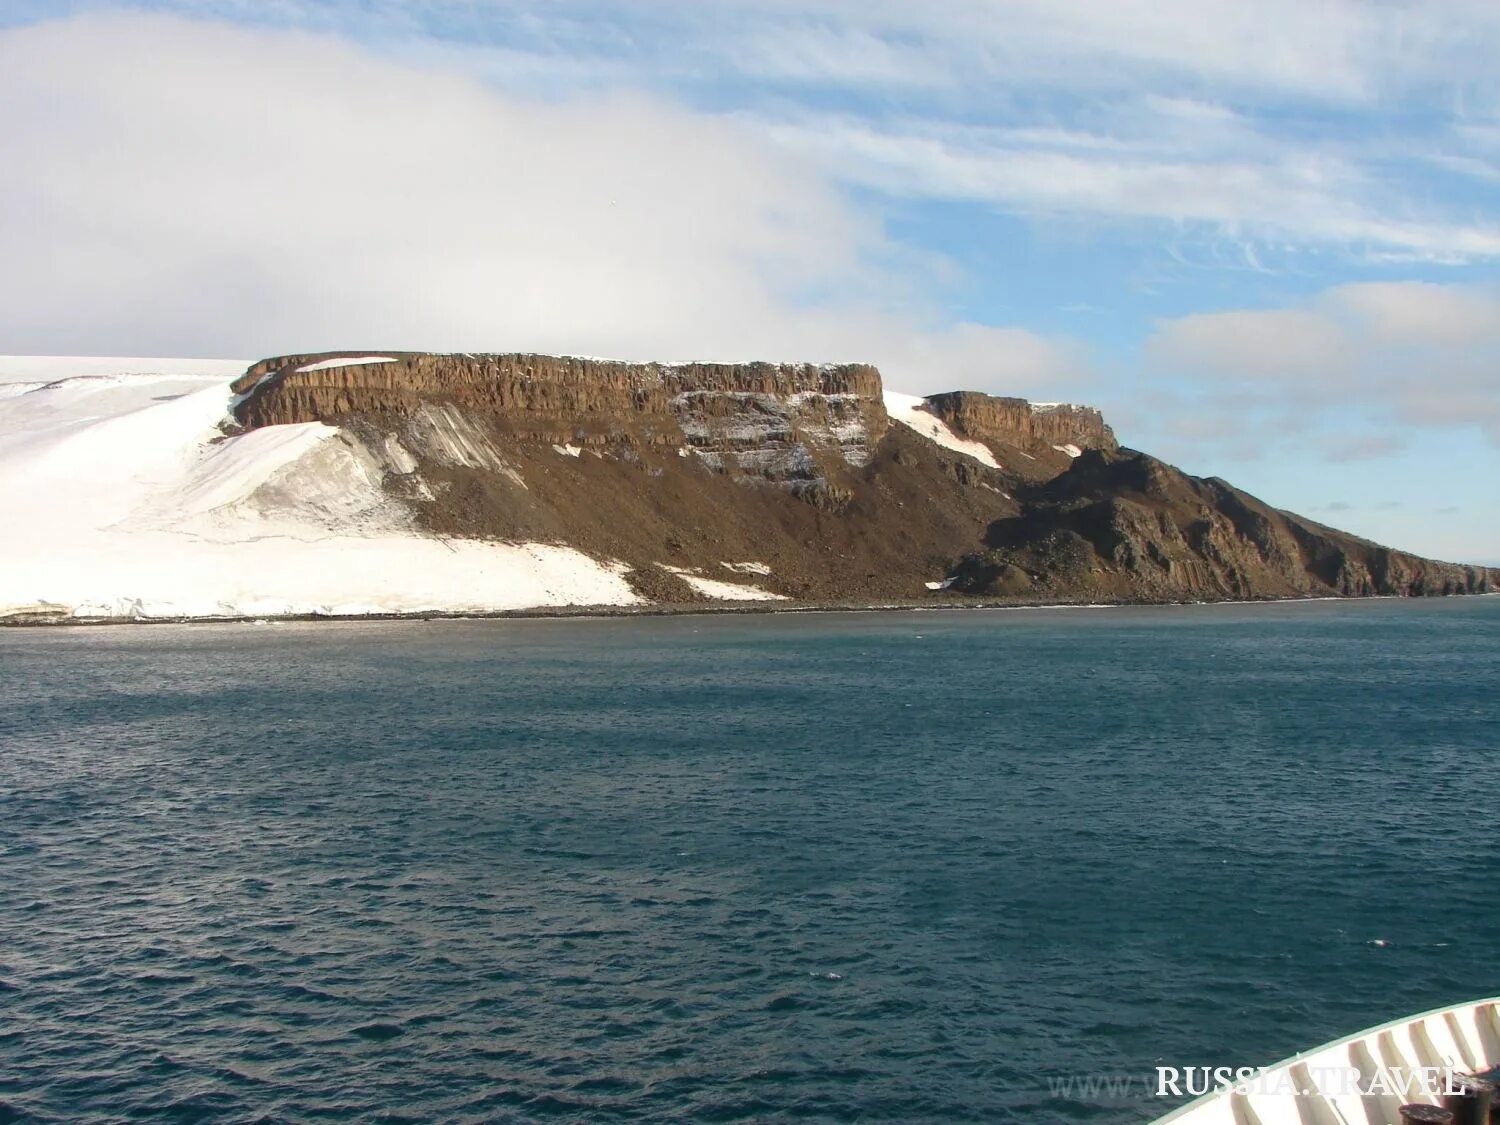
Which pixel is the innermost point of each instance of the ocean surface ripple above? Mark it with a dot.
(872, 867)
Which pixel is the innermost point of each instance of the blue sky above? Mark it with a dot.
(1264, 238)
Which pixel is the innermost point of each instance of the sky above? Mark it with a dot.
(1263, 238)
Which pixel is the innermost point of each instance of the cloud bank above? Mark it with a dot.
(1388, 356)
(1361, 126)
(185, 187)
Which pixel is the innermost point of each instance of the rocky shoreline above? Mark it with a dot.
(695, 609)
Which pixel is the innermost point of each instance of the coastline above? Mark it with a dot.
(688, 609)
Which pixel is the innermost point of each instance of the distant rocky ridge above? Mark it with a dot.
(786, 480)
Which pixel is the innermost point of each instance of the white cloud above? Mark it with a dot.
(1421, 313)
(1365, 447)
(1384, 357)
(1255, 344)
(1262, 122)
(177, 186)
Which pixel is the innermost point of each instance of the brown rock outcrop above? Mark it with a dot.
(1042, 431)
(1125, 525)
(775, 418)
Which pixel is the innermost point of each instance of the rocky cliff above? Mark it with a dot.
(1122, 524)
(778, 420)
(708, 480)
(1038, 438)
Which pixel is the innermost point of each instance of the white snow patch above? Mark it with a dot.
(943, 585)
(1070, 449)
(123, 498)
(913, 411)
(730, 591)
(347, 361)
(747, 567)
(230, 471)
(722, 591)
(396, 457)
(568, 450)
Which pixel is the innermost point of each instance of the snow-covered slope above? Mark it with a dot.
(120, 496)
(50, 368)
(912, 411)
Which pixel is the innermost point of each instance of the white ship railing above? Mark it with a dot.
(1463, 1039)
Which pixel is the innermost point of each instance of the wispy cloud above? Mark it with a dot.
(1347, 52)
(1365, 447)
(1217, 174)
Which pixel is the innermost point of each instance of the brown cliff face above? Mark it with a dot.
(777, 419)
(702, 468)
(1041, 432)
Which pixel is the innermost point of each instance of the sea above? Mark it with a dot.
(980, 865)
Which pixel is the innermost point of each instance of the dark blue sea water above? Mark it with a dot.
(873, 867)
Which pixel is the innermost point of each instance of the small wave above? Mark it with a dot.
(378, 1032)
